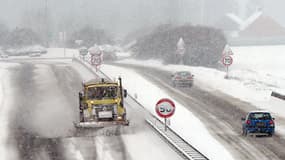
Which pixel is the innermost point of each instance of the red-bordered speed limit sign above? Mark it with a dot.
(96, 60)
(227, 60)
(165, 108)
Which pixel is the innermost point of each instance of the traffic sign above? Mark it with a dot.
(96, 60)
(227, 60)
(227, 50)
(165, 108)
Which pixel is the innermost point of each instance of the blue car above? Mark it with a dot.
(258, 123)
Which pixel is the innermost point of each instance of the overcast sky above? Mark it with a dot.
(122, 16)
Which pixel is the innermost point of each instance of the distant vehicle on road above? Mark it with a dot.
(258, 123)
(182, 78)
(4, 55)
(83, 51)
(35, 49)
(35, 54)
(26, 51)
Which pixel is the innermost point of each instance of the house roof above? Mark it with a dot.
(262, 26)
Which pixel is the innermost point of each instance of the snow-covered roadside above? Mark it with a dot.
(61, 52)
(138, 144)
(151, 94)
(241, 86)
(255, 73)
(6, 152)
(264, 64)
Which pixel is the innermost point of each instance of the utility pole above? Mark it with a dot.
(202, 12)
(46, 23)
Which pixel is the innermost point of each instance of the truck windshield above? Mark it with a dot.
(102, 92)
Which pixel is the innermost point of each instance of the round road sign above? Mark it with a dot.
(227, 60)
(165, 108)
(96, 60)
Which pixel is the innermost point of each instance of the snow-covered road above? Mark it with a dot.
(40, 107)
(53, 85)
(220, 114)
(139, 140)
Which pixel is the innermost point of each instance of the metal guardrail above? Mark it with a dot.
(278, 95)
(181, 146)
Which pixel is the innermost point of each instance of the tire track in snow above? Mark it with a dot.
(30, 145)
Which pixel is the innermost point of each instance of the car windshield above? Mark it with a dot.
(184, 74)
(259, 116)
(102, 92)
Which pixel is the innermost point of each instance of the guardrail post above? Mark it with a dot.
(165, 125)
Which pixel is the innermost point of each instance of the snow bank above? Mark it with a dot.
(59, 52)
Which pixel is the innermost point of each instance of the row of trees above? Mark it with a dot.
(203, 45)
(89, 37)
(18, 37)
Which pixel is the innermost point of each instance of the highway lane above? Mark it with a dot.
(44, 104)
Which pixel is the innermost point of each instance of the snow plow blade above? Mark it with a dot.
(100, 124)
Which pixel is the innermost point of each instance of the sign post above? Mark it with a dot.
(165, 108)
(62, 38)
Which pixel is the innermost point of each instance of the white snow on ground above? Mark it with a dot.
(124, 54)
(156, 148)
(149, 94)
(6, 152)
(135, 143)
(41, 122)
(60, 52)
(255, 73)
(263, 64)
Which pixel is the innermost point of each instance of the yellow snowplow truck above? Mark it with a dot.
(101, 104)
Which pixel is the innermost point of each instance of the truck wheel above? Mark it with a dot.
(81, 117)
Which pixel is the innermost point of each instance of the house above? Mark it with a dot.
(256, 29)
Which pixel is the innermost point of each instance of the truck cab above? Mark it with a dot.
(102, 102)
